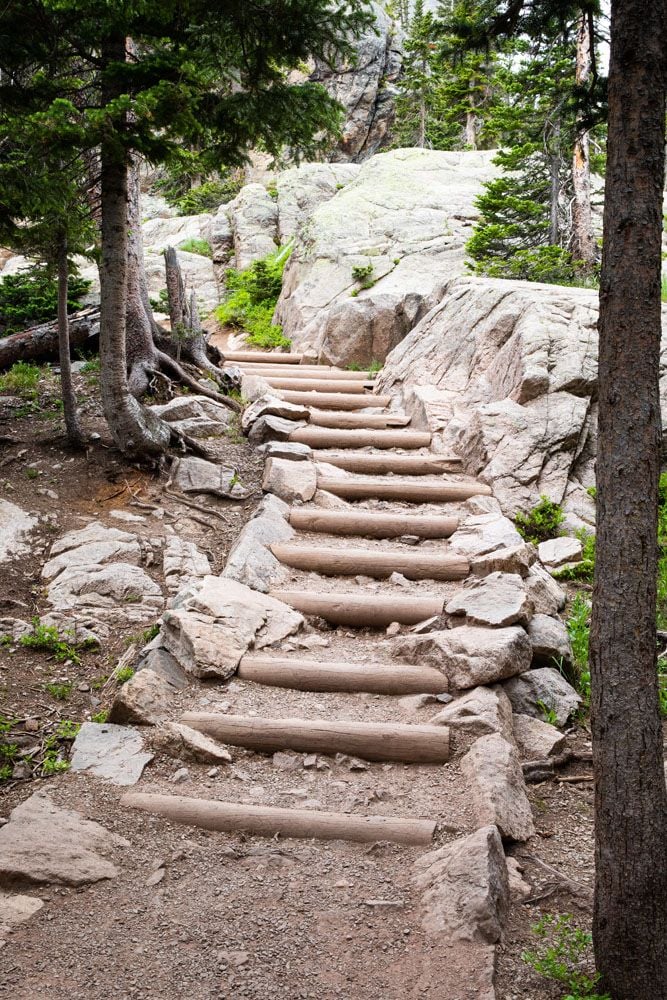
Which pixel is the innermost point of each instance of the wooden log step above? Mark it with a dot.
(341, 420)
(334, 400)
(330, 437)
(420, 565)
(387, 741)
(319, 384)
(362, 610)
(398, 488)
(268, 357)
(314, 675)
(371, 523)
(403, 465)
(268, 821)
(305, 372)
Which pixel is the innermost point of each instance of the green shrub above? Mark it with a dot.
(31, 297)
(201, 247)
(578, 626)
(561, 956)
(363, 273)
(542, 522)
(549, 264)
(47, 639)
(22, 379)
(206, 197)
(251, 299)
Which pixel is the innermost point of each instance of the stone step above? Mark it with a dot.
(334, 400)
(314, 675)
(400, 488)
(268, 821)
(323, 384)
(330, 437)
(362, 610)
(384, 741)
(371, 523)
(305, 372)
(341, 420)
(268, 357)
(414, 565)
(383, 464)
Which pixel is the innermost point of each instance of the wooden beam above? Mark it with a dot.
(314, 675)
(319, 384)
(268, 821)
(371, 523)
(362, 610)
(334, 400)
(270, 357)
(397, 488)
(340, 419)
(330, 437)
(415, 565)
(400, 465)
(388, 741)
(305, 372)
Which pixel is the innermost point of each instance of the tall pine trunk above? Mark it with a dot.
(72, 425)
(583, 241)
(630, 914)
(142, 358)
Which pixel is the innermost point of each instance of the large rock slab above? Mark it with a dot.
(548, 597)
(15, 527)
(551, 643)
(108, 751)
(465, 887)
(196, 475)
(185, 743)
(272, 406)
(469, 655)
(478, 712)
(43, 843)
(543, 688)
(15, 908)
(197, 416)
(486, 533)
(557, 551)
(250, 560)
(217, 620)
(512, 559)
(536, 739)
(290, 480)
(108, 587)
(497, 599)
(144, 699)
(94, 544)
(498, 791)
(182, 561)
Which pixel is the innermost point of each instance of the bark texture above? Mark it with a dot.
(583, 241)
(74, 432)
(630, 917)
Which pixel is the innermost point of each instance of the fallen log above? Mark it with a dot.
(269, 357)
(419, 565)
(362, 610)
(382, 465)
(304, 372)
(39, 343)
(397, 488)
(341, 419)
(315, 384)
(386, 741)
(334, 400)
(371, 523)
(313, 675)
(331, 437)
(268, 821)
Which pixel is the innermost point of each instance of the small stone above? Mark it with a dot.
(108, 751)
(213, 772)
(285, 761)
(180, 776)
(537, 739)
(410, 539)
(83, 686)
(519, 888)
(399, 580)
(145, 699)
(290, 480)
(189, 744)
(156, 877)
(557, 551)
(310, 760)
(31, 726)
(393, 629)
(21, 772)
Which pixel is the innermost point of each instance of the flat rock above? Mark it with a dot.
(250, 560)
(15, 908)
(550, 640)
(547, 596)
(485, 533)
(293, 451)
(182, 561)
(465, 888)
(478, 712)
(93, 545)
(117, 590)
(272, 406)
(536, 739)
(557, 551)
(196, 475)
(108, 751)
(144, 699)
(290, 480)
(469, 655)
(43, 843)
(272, 428)
(511, 559)
(185, 743)
(497, 599)
(162, 663)
(495, 779)
(217, 620)
(15, 527)
(543, 686)
(197, 414)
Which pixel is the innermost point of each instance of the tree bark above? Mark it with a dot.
(74, 432)
(583, 241)
(471, 117)
(142, 355)
(630, 914)
(554, 192)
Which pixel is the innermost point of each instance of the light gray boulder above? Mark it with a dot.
(469, 655)
(485, 533)
(184, 743)
(269, 428)
(513, 559)
(145, 699)
(536, 739)
(250, 560)
(557, 551)
(114, 591)
(94, 544)
(478, 712)
(291, 450)
(272, 406)
(182, 561)
(290, 480)
(543, 687)
(550, 640)
(196, 475)
(498, 599)
(495, 780)
(548, 597)
(15, 527)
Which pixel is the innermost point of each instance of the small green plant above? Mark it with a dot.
(67, 730)
(123, 675)
(272, 190)
(53, 763)
(100, 717)
(548, 714)
(32, 473)
(149, 633)
(363, 274)
(578, 626)
(48, 639)
(22, 379)
(585, 568)
(91, 366)
(60, 690)
(562, 955)
(663, 288)
(375, 367)
(251, 299)
(198, 246)
(542, 522)
(592, 491)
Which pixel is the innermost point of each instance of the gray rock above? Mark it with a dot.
(495, 780)
(544, 686)
(250, 561)
(121, 588)
(557, 551)
(469, 656)
(15, 908)
(537, 740)
(43, 843)
(465, 888)
(550, 641)
(478, 712)
(253, 216)
(144, 699)
(15, 527)
(497, 599)
(514, 559)
(272, 429)
(109, 751)
(89, 546)
(197, 416)
(291, 450)
(162, 663)
(547, 596)
(185, 743)
(485, 533)
(182, 561)
(255, 387)
(290, 480)
(273, 406)
(196, 475)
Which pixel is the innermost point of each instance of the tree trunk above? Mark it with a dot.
(630, 915)
(583, 241)
(74, 432)
(471, 123)
(554, 192)
(40, 342)
(142, 355)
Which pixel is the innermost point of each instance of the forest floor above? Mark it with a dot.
(202, 915)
